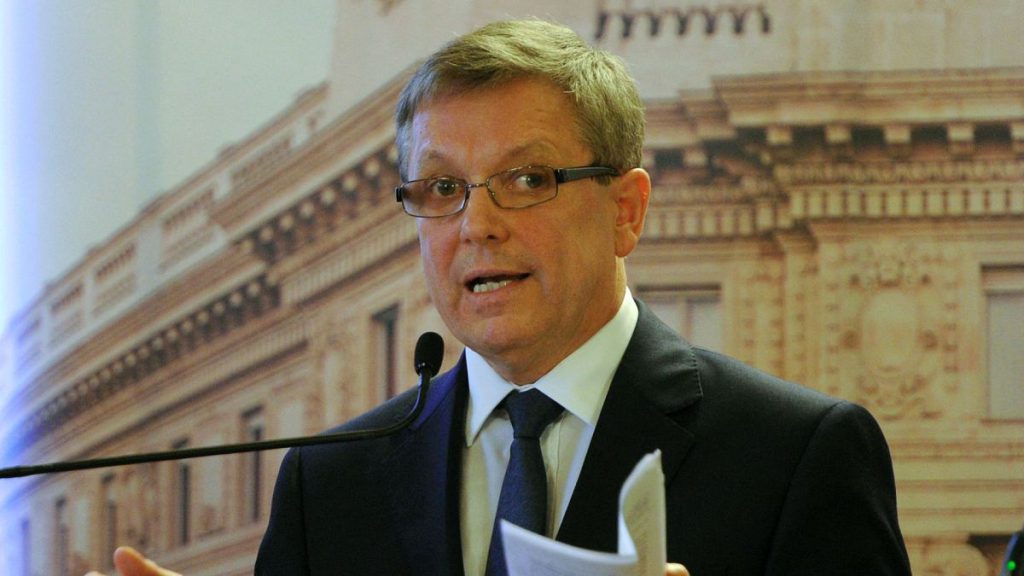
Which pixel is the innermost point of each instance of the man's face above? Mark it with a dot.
(522, 287)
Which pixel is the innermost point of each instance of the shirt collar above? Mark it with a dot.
(579, 382)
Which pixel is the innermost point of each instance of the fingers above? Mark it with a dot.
(676, 570)
(130, 563)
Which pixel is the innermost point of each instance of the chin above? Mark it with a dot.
(495, 338)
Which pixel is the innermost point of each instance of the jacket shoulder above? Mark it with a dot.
(727, 380)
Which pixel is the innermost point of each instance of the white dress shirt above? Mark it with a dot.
(579, 383)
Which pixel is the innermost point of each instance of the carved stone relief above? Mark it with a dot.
(891, 326)
(313, 412)
(760, 320)
(139, 513)
(212, 492)
(330, 366)
(340, 361)
(800, 297)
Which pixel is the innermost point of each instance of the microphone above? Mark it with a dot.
(427, 361)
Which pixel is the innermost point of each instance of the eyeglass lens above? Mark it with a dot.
(515, 188)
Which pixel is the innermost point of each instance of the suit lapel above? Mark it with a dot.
(656, 378)
(425, 473)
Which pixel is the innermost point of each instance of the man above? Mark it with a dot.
(520, 149)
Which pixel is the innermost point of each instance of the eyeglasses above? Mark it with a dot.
(520, 187)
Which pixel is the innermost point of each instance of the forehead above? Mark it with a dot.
(522, 119)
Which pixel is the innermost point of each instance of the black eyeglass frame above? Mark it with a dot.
(562, 176)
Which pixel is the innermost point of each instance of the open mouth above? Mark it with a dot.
(491, 283)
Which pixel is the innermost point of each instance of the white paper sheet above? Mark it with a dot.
(641, 550)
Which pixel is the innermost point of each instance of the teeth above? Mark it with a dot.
(490, 286)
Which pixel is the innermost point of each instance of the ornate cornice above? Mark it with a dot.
(338, 211)
(173, 299)
(913, 172)
(335, 230)
(915, 190)
(348, 197)
(700, 19)
(344, 207)
(849, 202)
(873, 97)
(759, 155)
(929, 124)
(351, 258)
(347, 141)
(746, 191)
(712, 211)
(155, 349)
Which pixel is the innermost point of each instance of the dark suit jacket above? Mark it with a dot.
(761, 477)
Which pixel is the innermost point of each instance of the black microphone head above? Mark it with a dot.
(429, 353)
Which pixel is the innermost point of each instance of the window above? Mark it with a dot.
(183, 496)
(252, 465)
(694, 312)
(108, 509)
(1004, 306)
(385, 328)
(62, 540)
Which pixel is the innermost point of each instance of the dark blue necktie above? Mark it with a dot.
(524, 491)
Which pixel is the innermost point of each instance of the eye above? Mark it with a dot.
(531, 179)
(444, 187)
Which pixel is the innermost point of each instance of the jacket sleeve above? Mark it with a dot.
(283, 550)
(839, 515)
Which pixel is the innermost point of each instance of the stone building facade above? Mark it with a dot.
(839, 200)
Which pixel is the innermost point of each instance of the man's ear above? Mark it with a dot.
(632, 194)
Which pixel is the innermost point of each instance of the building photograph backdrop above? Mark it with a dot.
(838, 199)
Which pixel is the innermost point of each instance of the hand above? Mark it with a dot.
(130, 563)
(676, 570)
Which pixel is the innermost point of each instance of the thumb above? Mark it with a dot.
(676, 570)
(130, 563)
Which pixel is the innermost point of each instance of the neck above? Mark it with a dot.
(528, 366)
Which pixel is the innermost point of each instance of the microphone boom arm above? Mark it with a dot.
(429, 351)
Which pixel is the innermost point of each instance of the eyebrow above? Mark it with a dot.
(533, 147)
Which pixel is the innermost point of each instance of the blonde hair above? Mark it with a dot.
(609, 113)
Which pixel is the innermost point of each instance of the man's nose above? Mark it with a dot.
(482, 219)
